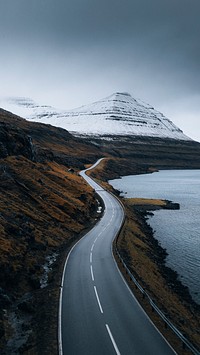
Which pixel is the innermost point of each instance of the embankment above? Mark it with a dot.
(146, 260)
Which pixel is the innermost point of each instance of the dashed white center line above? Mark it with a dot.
(90, 257)
(99, 303)
(92, 274)
(92, 247)
(113, 340)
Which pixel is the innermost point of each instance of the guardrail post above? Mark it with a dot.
(185, 342)
(167, 323)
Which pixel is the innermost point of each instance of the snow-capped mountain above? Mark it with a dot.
(116, 115)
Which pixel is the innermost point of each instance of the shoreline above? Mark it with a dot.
(160, 282)
(146, 260)
(172, 276)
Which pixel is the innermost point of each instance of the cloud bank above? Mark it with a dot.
(69, 53)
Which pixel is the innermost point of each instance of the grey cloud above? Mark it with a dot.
(113, 17)
(89, 48)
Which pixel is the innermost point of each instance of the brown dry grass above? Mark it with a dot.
(41, 196)
(98, 173)
(145, 201)
(135, 245)
(43, 209)
(137, 248)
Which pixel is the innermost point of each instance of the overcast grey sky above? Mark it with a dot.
(67, 53)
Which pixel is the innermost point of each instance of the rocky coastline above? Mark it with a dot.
(171, 276)
(146, 260)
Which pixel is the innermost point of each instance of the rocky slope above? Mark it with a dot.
(44, 207)
(128, 129)
(146, 259)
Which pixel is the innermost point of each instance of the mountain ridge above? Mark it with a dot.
(45, 206)
(116, 115)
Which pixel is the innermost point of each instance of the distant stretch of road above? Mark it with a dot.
(98, 313)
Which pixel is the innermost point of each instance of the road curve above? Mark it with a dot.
(98, 313)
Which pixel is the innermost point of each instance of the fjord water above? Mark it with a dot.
(178, 231)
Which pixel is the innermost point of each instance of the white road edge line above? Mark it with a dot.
(99, 303)
(92, 274)
(111, 247)
(113, 340)
(135, 299)
(60, 348)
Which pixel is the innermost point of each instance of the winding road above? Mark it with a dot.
(98, 313)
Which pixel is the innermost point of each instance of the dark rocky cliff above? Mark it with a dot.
(44, 208)
(133, 155)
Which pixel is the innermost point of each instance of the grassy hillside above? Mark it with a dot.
(44, 207)
(143, 154)
(146, 260)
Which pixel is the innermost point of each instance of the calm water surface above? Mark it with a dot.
(177, 230)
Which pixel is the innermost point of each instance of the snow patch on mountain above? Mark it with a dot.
(118, 114)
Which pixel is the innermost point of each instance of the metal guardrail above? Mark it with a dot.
(186, 343)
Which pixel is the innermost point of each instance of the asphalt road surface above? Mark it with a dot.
(98, 313)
